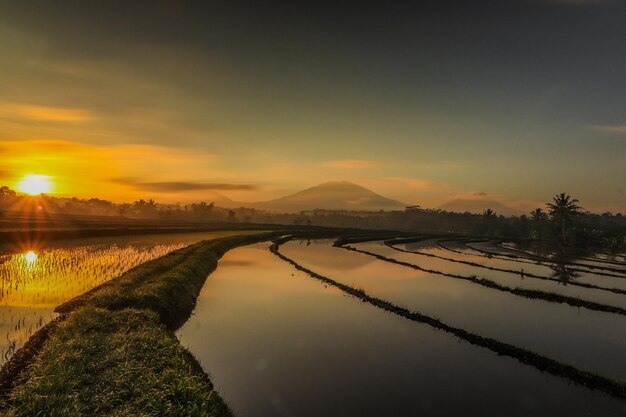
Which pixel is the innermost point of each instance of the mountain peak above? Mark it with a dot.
(332, 195)
(337, 185)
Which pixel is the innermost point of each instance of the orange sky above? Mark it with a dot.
(177, 103)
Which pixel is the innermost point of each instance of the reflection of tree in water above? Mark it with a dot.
(561, 268)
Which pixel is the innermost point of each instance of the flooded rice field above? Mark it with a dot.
(561, 280)
(277, 342)
(594, 260)
(590, 340)
(560, 267)
(35, 277)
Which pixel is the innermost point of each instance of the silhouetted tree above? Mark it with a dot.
(490, 219)
(539, 219)
(7, 192)
(123, 208)
(489, 214)
(202, 210)
(562, 210)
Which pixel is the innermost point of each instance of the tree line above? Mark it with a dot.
(562, 221)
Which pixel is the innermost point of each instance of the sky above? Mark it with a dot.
(512, 101)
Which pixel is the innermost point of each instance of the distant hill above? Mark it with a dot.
(220, 200)
(336, 195)
(461, 205)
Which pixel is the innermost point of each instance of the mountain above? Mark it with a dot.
(462, 205)
(220, 200)
(336, 195)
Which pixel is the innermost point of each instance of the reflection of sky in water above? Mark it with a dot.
(279, 343)
(548, 270)
(519, 278)
(590, 340)
(34, 281)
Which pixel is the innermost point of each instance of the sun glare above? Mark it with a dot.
(30, 257)
(35, 184)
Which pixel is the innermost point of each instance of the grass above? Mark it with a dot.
(168, 285)
(115, 353)
(107, 363)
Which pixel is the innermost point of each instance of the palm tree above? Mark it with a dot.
(538, 215)
(562, 210)
(489, 218)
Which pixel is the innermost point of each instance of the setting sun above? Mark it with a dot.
(35, 184)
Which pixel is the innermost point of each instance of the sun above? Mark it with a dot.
(34, 184)
(30, 257)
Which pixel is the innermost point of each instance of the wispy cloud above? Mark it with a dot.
(45, 113)
(354, 164)
(609, 128)
(182, 186)
(480, 195)
(85, 170)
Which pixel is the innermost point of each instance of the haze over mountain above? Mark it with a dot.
(335, 195)
(462, 205)
(345, 195)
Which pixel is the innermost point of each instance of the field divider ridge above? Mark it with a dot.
(615, 388)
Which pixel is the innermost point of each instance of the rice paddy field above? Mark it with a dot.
(322, 329)
(352, 324)
(35, 277)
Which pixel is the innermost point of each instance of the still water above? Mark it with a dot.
(279, 343)
(600, 260)
(454, 263)
(589, 340)
(559, 269)
(36, 278)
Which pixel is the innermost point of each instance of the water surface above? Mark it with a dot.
(279, 343)
(589, 340)
(35, 278)
(517, 277)
(560, 270)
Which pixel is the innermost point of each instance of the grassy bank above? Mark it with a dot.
(115, 353)
(100, 363)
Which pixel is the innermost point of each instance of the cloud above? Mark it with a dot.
(46, 114)
(85, 170)
(353, 164)
(610, 128)
(181, 186)
(480, 193)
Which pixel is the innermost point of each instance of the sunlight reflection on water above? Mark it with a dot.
(36, 280)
